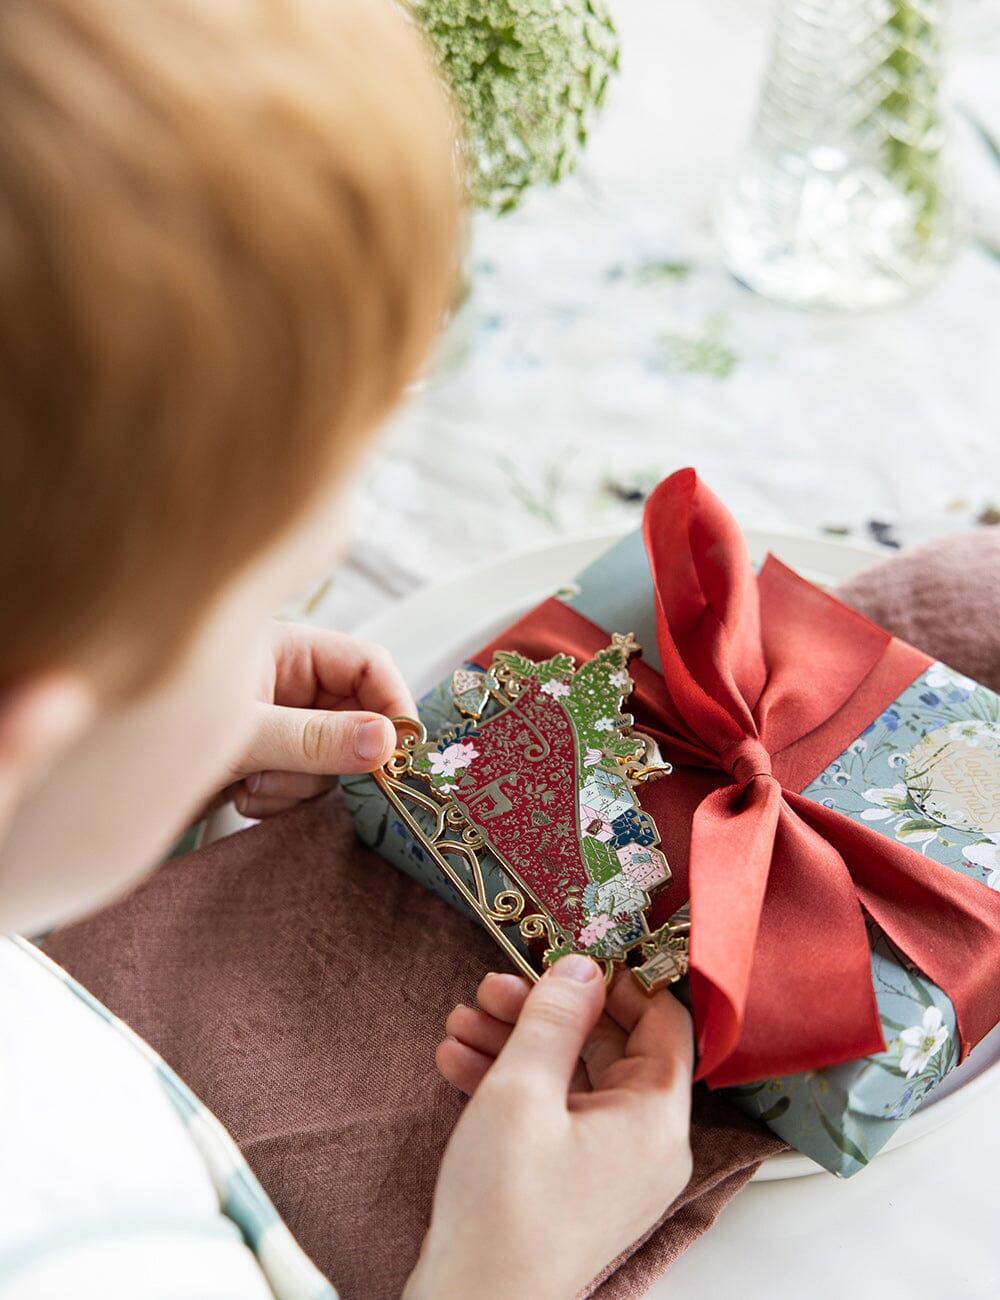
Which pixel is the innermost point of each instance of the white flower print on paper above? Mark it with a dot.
(556, 688)
(986, 854)
(921, 1042)
(892, 804)
(888, 803)
(455, 758)
(941, 677)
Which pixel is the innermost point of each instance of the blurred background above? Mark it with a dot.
(602, 339)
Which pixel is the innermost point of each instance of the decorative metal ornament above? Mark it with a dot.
(538, 790)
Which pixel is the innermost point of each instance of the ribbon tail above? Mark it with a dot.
(732, 839)
(801, 997)
(942, 920)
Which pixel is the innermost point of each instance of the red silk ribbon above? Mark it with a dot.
(766, 679)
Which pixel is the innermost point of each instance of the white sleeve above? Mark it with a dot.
(151, 1262)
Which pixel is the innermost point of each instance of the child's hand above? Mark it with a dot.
(556, 1166)
(324, 709)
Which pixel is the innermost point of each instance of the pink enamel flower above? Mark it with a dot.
(593, 824)
(448, 761)
(595, 929)
(556, 688)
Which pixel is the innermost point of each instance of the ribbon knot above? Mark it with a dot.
(746, 759)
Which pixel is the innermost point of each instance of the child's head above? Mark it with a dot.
(226, 239)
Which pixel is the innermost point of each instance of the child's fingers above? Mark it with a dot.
(265, 793)
(478, 1030)
(502, 996)
(626, 1000)
(604, 1047)
(464, 1068)
(460, 1065)
(506, 995)
(313, 659)
(659, 1055)
(260, 809)
(664, 1035)
(319, 741)
(555, 1021)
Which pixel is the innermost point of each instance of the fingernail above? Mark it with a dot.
(574, 966)
(253, 782)
(370, 739)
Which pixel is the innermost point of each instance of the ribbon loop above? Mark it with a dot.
(745, 760)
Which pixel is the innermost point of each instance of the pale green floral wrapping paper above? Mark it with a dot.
(926, 772)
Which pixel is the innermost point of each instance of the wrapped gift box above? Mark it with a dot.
(923, 771)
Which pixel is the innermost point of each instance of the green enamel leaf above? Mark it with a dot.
(518, 664)
(602, 862)
(625, 746)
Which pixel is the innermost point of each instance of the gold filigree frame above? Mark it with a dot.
(453, 843)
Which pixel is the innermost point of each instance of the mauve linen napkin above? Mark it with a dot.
(299, 985)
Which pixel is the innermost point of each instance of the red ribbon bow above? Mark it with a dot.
(766, 679)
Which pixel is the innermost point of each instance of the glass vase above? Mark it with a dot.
(843, 198)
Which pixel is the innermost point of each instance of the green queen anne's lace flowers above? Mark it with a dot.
(529, 76)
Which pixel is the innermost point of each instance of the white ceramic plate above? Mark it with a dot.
(433, 630)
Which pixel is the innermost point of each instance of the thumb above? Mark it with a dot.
(555, 1021)
(327, 742)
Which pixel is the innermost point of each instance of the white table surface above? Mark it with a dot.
(919, 1223)
(603, 345)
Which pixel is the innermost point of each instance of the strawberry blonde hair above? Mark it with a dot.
(227, 231)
